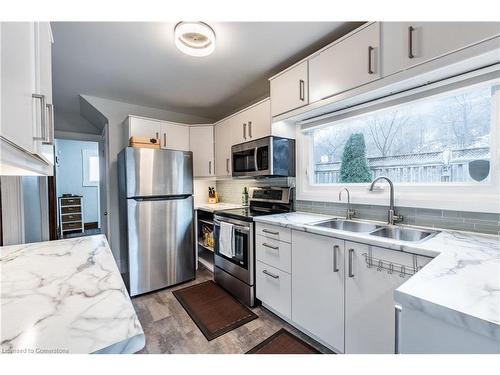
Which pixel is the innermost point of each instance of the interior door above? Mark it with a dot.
(160, 243)
(103, 181)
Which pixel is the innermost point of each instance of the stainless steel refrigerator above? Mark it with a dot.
(156, 217)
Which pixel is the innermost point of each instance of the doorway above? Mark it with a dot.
(78, 187)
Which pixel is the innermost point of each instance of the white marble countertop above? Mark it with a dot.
(65, 296)
(212, 207)
(461, 285)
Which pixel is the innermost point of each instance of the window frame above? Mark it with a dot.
(86, 155)
(481, 197)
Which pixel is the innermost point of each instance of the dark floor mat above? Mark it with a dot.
(214, 310)
(283, 342)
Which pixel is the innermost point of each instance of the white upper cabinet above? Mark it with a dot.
(406, 44)
(318, 286)
(43, 35)
(201, 143)
(223, 148)
(27, 113)
(18, 84)
(289, 90)
(143, 127)
(174, 136)
(170, 135)
(258, 120)
(347, 64)
(251, 123)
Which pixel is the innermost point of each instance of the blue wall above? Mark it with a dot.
(69, 175)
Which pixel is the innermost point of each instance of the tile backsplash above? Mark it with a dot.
(444, 219)
(230, 191)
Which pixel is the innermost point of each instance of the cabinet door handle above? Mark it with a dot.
(164, 139)
(336, 258)
(43, 122)
(209, 167)
(410, 42)
(227, 165)
(351, 254)
(397, 323)
(244, 131)
(270, 232)
(301, 90)
(270, 274)
(370, 53)
(250, 129)
(157, 136)
(270, 246)
(50, 126)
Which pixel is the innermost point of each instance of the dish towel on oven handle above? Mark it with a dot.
(226, 239)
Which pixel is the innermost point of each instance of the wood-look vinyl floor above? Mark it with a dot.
(169, 329)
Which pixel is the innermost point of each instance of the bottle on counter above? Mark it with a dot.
(244, 197)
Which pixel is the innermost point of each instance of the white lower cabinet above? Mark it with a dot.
(369, 297)
(273, 288)
(332, 291)
(318, 286)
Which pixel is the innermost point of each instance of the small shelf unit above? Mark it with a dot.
(204, 226)
(70, 215)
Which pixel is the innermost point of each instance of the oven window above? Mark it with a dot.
(244, 161)
(241, 250)
(263, 158)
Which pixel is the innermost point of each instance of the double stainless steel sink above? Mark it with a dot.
(392, 232)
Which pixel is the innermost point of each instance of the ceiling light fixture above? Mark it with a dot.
(194, 38)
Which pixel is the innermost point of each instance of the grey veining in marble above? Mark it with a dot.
(460, 285)
(65, 296)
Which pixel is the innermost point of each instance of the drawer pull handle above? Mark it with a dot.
(270, 232)
(270, 246)
(270, 274)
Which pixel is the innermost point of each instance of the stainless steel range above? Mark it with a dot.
(234, 244)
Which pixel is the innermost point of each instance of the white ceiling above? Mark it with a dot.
(138, 63)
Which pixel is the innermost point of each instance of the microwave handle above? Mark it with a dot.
(255, 159)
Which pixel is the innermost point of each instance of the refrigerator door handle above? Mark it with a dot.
(161, 198)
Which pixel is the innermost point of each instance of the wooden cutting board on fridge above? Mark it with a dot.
(144, 142)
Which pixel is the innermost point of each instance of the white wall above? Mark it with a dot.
(73, 122)
(69, 175)
(116, 112)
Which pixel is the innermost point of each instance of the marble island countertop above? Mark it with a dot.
(65, 296)
(461, 285)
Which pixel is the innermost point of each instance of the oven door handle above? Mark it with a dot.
(235, 226)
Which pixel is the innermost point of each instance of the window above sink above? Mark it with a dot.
(440, 148)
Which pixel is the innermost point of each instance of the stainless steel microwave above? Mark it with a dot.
(264, 157)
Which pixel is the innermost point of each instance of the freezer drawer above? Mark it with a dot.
(160, 243)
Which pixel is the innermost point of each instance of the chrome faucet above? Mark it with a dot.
(350, 213)
(392, 218)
